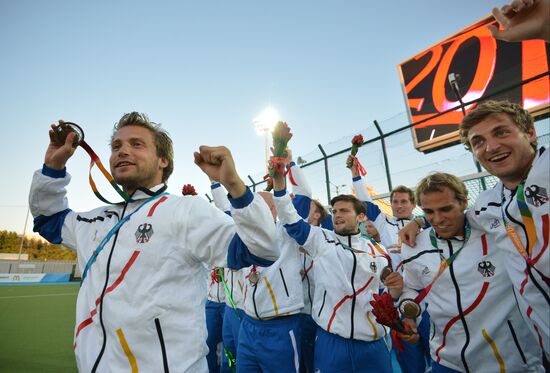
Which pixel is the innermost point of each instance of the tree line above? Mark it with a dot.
(36, 248)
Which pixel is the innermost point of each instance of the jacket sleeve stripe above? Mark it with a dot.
(50, 227)
(299, 231)
(238, 255)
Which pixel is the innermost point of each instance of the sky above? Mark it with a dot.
(204, 70)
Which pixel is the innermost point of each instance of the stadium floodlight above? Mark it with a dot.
(266, 120)
(263, 124)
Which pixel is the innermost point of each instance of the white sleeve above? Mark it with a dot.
(209, 232)
(361, 191)
(219, 194)
(298, 180)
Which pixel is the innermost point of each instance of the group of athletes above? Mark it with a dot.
(292, 288)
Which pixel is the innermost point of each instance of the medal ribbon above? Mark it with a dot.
(110, 234)
(530, 228)
(96, 161)
(227, 292)
(445, 262)
(359, 168)
(230, 358)
(364, 234)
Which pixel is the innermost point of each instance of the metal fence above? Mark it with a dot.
(390, 159)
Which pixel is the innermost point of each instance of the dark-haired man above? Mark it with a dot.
(346, 274)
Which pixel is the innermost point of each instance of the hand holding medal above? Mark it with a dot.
(63, 129)
(57, 154)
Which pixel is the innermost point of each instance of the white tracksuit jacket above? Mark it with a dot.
(475, 323)
(279, 289)
(344, 279)
(155, 277)
(234, 278)
(532, 292)
(387, 226)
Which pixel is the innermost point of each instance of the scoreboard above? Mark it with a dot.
(454, 75)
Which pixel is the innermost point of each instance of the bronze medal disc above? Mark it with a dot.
(254, 277)
(61, 131)
(385, 273)
(409, 308)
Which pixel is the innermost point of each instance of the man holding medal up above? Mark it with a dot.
(140, 306)
(458, 270)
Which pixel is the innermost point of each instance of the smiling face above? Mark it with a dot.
(345, 219)
(444, 212)
(134, 161)
(401, 205)
(502, 148)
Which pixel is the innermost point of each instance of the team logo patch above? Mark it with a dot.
(486, 268)
(495, 224)
(535, 195)
(144, 233)
(373, 266)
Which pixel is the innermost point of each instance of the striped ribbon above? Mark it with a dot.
(227, 292)
(445, 262)
(530, 228)
(96, 161)
(364, 234)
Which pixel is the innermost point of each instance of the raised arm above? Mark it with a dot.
(522, 20)
(255, 239)
(47, 198)
(373, 211)
(219, 195)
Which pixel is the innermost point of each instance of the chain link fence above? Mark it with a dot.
(325, 170)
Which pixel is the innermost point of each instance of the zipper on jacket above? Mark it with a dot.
(352, 288)
(323, 304)
(460, 310)
(254, 301)
(284, 283)
(102, 296)
(529, 269)
(162, 347)
(308, 284)
(511, 327)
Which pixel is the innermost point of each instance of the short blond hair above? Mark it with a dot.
(437, 181)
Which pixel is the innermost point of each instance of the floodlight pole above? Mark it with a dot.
(453, 81)
(385, 154)
(327, 177)
(23, 235)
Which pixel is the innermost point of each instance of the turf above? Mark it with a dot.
(36, 324)
(36, 328)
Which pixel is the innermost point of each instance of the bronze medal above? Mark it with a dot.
(409, 308)
(385, 273)
(61, 131)
(254, 277)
